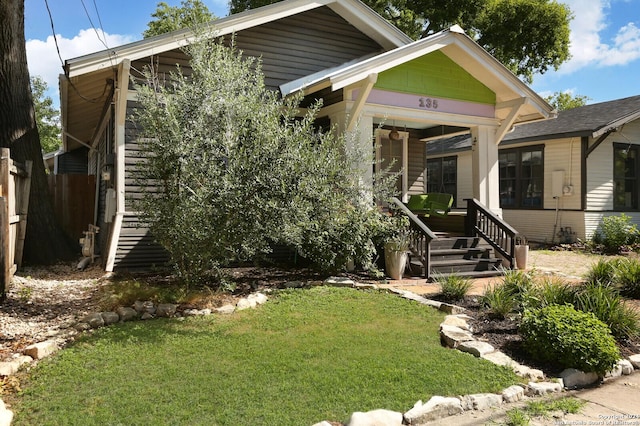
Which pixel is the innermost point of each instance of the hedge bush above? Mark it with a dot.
(568, 338)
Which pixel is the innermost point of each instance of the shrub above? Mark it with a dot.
(606, 304)
(627, 277)
(228, 168)
(616, 232)
(602, 271)
(551, 291)
(454, 287)
(500, 300)
(569, 338)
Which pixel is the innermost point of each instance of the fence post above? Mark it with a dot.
(5, 237)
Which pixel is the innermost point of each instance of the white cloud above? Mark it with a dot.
(43, 60)
(588, 48)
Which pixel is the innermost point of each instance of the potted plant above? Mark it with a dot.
(395, 255)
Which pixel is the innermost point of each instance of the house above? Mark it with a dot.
(373, 80)
(559, 177)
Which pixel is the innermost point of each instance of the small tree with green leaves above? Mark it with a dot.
(47, 117)
(190, 13)
(229, 169)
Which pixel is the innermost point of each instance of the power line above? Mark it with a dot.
(104, 43)
(64, 69)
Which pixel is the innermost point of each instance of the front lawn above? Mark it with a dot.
(305, 356)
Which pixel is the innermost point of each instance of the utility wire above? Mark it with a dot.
(104, 43)
(64, 69)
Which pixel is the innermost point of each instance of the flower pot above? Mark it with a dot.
(395, 262)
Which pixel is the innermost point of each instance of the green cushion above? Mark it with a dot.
(417, 202)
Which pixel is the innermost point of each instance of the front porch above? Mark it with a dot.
(474, 243)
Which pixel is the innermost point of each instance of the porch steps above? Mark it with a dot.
(464, 256)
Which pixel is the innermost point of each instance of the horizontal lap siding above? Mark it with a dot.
(416, 167)
(600, 177)
(465, 179)
(304, 44)
(538, 225)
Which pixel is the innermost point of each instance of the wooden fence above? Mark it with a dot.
(15, 183)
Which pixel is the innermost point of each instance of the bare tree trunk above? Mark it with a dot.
(45, 241)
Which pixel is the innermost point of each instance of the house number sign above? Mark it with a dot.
(428, 103)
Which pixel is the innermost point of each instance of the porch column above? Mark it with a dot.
(486, 177)
(360, 139)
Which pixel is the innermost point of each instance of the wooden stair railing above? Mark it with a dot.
(498, 233)
(420, 236)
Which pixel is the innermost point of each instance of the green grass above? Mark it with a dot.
(305, 356)
(542, 408)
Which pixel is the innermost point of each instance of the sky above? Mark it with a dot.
(605, 41)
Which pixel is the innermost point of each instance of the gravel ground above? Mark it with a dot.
(44, 303)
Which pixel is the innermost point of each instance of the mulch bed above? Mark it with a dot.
(502, 334)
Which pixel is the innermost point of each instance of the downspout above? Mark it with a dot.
(122, 90)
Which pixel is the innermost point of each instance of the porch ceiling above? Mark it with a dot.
(83, 102)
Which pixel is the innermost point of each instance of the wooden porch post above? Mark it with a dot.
(486, 173)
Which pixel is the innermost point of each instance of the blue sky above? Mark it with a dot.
(605, 41)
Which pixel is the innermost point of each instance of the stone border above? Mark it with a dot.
(455, 333)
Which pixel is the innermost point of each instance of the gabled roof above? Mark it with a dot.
(454, 43)
(590, 120)
(355, 12)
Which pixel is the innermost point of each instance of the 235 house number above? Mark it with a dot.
(428, 103)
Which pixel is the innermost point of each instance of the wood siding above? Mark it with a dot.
(464, 165)
(416, 171)
(290, 48)
(540, 225)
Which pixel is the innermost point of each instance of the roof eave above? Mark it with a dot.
(616, 124)
(360, 15)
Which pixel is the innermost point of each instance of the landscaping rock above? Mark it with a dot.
(481, 401)
(576, 379)
(543, 388)
(259, 298)
(635, 361)
(450, 309)
(146, 316)
(616, 371)
(436, 408)
(476, 348)
(323, 423)
(451, 336)
(126, 313)
(459, 321)
(94, 320)
(245, 303)
(41, 350)
(626, 367)
(144, 307)
(9, 368)
(339, 282)
(375, 418)
(412, 296)
(166, 310)
(110, 317)
(362, 286)
(6, 416)
(513, 394)
(226, 309)
(499, 358)
(527, 372)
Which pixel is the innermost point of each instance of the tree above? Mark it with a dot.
(527, 36)
(247, 172)
(47, 117)
(45, 241)
(564, 100)
(189, 14)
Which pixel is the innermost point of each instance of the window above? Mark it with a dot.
(521, 177)
(442, 175)
(625, 167)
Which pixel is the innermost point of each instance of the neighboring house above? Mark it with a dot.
(558, 177)
(372, 78)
